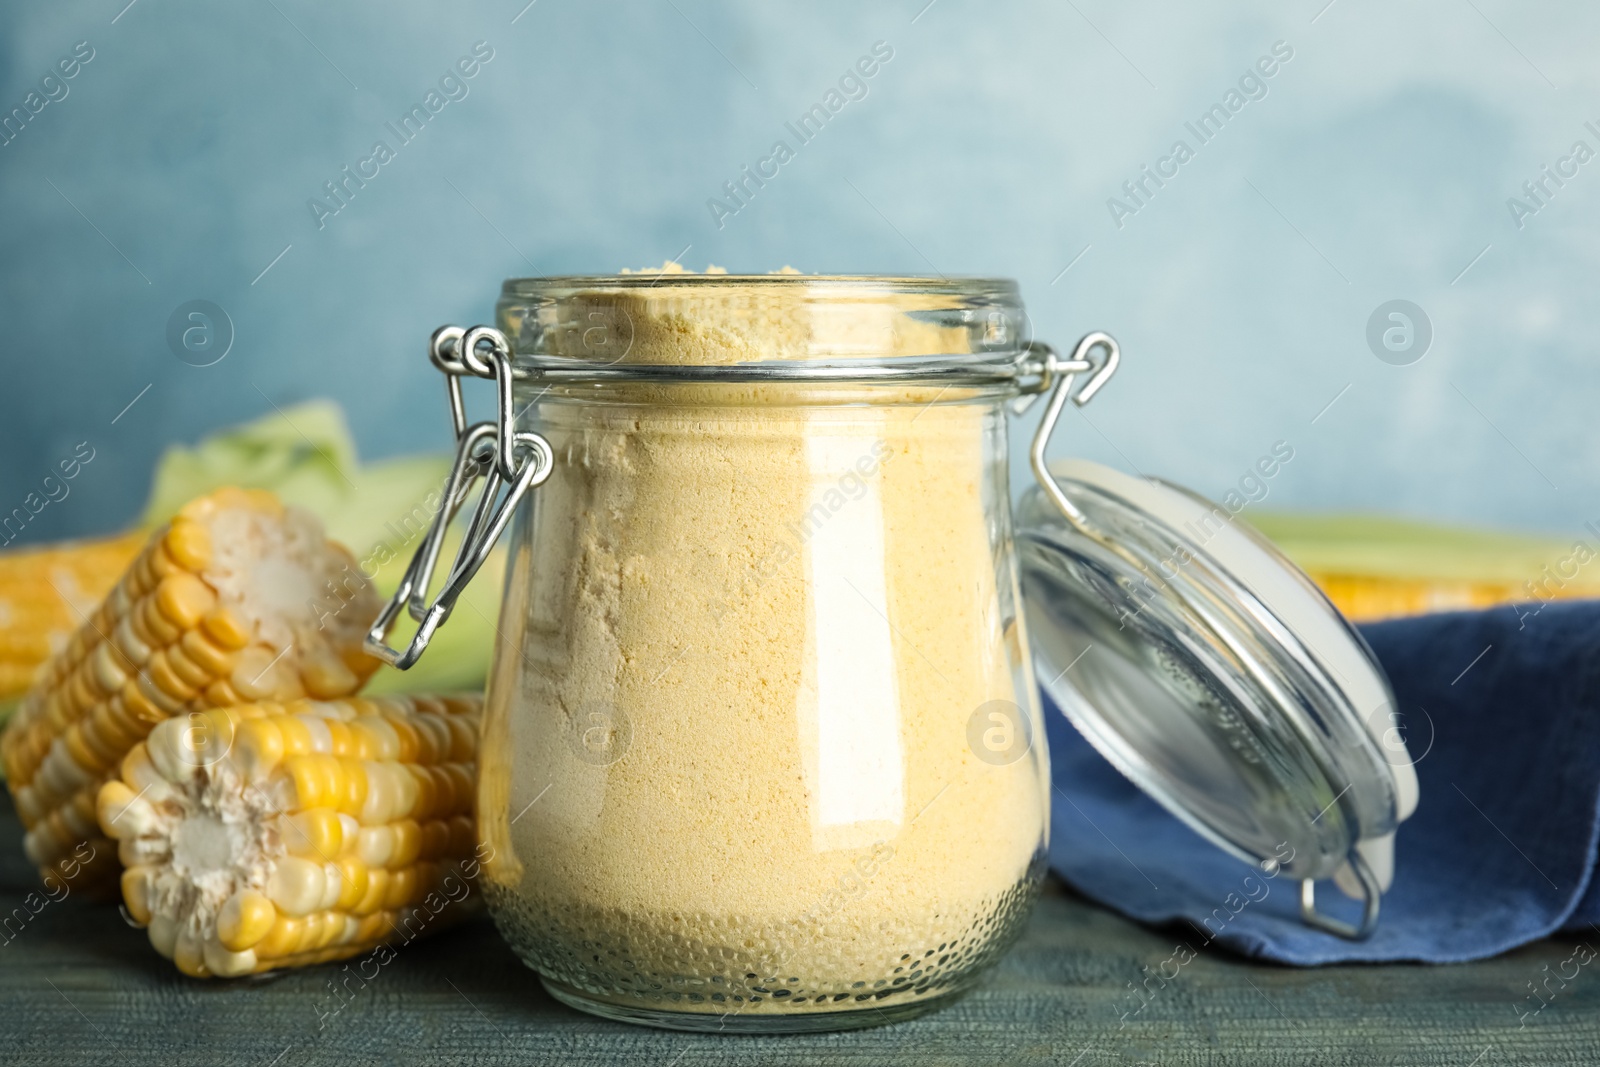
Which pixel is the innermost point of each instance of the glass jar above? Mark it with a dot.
(763, 748)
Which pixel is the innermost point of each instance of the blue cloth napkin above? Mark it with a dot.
(1501, 710)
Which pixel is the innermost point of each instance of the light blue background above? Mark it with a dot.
(1377, 167)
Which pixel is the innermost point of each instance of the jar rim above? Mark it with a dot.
(766, 328)
(1023, 370)
(956, 284)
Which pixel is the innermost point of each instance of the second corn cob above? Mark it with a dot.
(46, 593)
(1372, 597)
(313, 831)
(237, 599)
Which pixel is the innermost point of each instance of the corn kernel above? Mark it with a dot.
(402, 888)
(352, 883)
(115, 729)
(406, 734)
(244, 920)
(190, 673)
(138, 771)
(380, 740)
(296, 738)
(465, 785)
(326, 676)
(313, 786)
(463, 739)
(205, 654)
(405, 784)
(151, 625)
(296, 885)
(122, 812)
(407, 843)
(352, 927)
(341, 740)
(163, 934)
(227, 629)
(183, 599)
(188, 956)
(225, 964)
(161, 565)
(130, 646)
(353, 778)
(332, 886)
(377, 891)
(189, 544)
(435, 738)
(315, 833)
(311, 934)
(374, 845)
(281, 940)
(382, 801)
(261, 674)
(138, 706)
(447, 790)
(258, 748)
(158, 697)
(425, 791)
(168, 681)
(136, 893)
(220, 694)
(82, 753)
(110, 674)
(78, 817)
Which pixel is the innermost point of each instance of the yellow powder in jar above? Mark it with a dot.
(729, 762)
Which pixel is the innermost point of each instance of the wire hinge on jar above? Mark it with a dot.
(508, 462)
(1062, 374)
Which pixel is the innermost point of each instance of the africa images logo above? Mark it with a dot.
(453, 86)
(1252, 85)
(1399, 332)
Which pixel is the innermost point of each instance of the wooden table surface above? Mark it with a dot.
(78, 987)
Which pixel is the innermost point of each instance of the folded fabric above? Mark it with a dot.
(1501, 710)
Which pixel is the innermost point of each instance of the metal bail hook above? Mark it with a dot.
(470, 464)
(1052, 367)
(493, 451)
(1371, 897)
(444, 349)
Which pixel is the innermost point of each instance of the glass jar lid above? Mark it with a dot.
(1211, 672)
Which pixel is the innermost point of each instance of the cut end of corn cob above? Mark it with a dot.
(237, 599)
(316, 831)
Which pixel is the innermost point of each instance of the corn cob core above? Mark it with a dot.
(46, 593)
(299, 833)
(237, 599)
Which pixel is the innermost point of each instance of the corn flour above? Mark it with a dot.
(728, 762)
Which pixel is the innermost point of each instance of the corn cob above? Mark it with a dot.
(1368, 597)
(1374, 567)
(311, 831)
(234, 600)
(46, 593)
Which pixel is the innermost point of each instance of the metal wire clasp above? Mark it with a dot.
(1371, 897)
(508, 462)
(1063, 374)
